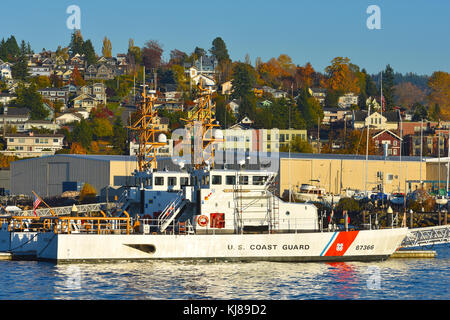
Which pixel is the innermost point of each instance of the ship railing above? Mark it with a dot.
(260, 225)
(68, 224)
(151, 226)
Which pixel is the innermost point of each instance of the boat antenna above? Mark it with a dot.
(147, 132)
(203, 114)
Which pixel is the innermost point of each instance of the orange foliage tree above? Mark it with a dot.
(341, 77)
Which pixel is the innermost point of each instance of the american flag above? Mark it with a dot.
(383, 103)
(36, 203)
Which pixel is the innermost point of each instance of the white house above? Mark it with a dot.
(68, 118)
(347, 100)
(207, 81)
(5, 71)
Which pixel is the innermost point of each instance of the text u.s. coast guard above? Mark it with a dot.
(269, 247)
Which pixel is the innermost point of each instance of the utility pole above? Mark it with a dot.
(318, 134)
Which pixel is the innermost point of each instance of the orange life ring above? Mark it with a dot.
(202, 221)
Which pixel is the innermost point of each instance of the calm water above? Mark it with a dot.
(391, 279)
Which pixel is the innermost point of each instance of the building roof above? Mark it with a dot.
(38, 135)
(324, 156)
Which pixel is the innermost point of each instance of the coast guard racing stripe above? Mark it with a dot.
(342, 242)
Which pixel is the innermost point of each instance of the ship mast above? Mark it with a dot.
(147, 134)
(203, 115)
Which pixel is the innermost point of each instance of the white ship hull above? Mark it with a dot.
(314, 246)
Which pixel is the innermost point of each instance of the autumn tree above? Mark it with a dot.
(152, 54)
(107, 48)
(407, 94)
(341, 77)
(77, 78)
(87, 193)
(439, 96)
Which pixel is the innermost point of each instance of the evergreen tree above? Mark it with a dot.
(88, 50)
(388, 88)
(28, 97)
(219, 50)
(82, 133)
(119, 139)
(76, 43)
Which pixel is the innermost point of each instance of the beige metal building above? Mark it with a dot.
(336, 172)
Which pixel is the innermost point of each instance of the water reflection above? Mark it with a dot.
(391, 279)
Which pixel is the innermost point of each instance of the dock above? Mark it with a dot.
(5, 256)
(414, 254)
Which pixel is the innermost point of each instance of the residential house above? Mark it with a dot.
(6, 98)
(234, 107)
(102, 71)
(347, 100)
(5, 71)
(319, 94)
(205, 65)
(376, 120)
(55, 94)
(69, 117)
(86, 102)
(90, 96)
(32, 145)
(96, 90)
(388, 142)
(39, 71)
(227, 88)
(331, 115)
(204, 79)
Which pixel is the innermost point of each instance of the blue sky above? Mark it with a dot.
(414, 34)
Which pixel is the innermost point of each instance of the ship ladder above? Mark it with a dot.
(170, 212)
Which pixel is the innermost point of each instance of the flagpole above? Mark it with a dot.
(51, 210)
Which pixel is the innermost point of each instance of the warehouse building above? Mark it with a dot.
(337, 172)
(48, 175)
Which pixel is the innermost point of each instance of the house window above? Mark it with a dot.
(395, 142)
(395, 152)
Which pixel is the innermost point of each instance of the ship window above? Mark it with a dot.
(159, 181)
(259, 180)
(243, 179)
(216, 179)
(231, 180)
(184, 181)
(172, 181)
(288, 213)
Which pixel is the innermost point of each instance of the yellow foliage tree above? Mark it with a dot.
(439, 85)
(88, 192)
